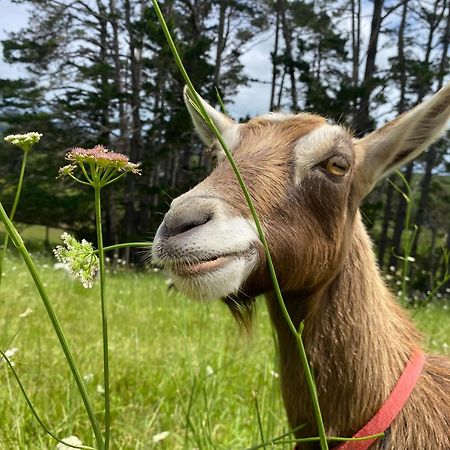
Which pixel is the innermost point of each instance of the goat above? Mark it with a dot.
(307, 179)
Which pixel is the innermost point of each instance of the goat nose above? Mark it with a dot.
(177, 222)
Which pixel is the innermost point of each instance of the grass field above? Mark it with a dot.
(177, 366)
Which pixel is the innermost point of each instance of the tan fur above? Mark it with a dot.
(358, 339)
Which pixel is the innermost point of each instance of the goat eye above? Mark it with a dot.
(337, 166)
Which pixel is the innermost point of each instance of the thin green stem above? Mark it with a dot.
(17, 240)
(114, 179)
(278, 441)
(101, 257)
(258, 415)
(33, 410)
(13, 211)
(125, 245)
(83, 169)
(247, 196)
(220, 100)
(78, 180)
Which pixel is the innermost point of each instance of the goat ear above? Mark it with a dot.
(221, 121)
(404, 138)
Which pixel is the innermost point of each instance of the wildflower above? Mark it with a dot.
(103, 158)
(26, 313)
(100, 389)
(10, 354)
(274, 374)
(411, 258)
(72, 441)
(66, 170)
(209, 371)
(88, 377)
(24, 141)
(79, 257)
(160, 436)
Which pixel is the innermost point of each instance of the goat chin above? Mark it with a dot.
(221, 282)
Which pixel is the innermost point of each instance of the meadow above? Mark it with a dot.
(183, 375)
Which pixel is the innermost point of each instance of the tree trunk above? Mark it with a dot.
(356, 40)
(220, 43)
(287, 34)
(432, 154)
(400, 218)
(387, 217)
(280, 91)
(122, 142)
(274, 58)
(362, 118)
(135, 49)
(104, 81)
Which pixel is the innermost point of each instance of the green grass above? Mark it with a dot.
(177, 365)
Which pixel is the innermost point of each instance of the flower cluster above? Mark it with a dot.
(101, 157)
(24, 141)
(79, 257)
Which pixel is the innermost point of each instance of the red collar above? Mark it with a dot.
(381, 421)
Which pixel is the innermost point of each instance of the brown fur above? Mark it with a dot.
(358, 339)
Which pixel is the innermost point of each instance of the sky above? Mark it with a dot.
(12, 17)
(251, 100)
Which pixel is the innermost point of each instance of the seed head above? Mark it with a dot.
(24, 141)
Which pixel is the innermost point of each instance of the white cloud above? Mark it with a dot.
(13, 17)
(254, 99)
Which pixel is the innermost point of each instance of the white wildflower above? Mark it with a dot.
(26, 313)
(274, 374)
(411, 258)
(88, 377)
(160, 436)
(392, 268)
(83, 263)
(72, 440)
(209, 371)
(100, 389)
(10, 354)
(24, 141)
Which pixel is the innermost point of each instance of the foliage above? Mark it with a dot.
(163, 367)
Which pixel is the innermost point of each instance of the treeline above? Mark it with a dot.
(99, 71)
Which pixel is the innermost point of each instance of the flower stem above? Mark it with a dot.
(13, 211)
(17, 240)
(125, 245)
(279, 441)
(247, 196)
(101, 257)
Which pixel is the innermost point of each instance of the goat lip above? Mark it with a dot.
(188, 268)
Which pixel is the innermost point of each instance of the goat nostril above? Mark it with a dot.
(186, 223)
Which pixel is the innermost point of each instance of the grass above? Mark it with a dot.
(177, 365)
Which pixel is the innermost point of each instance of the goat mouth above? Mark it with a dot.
(191, 268)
